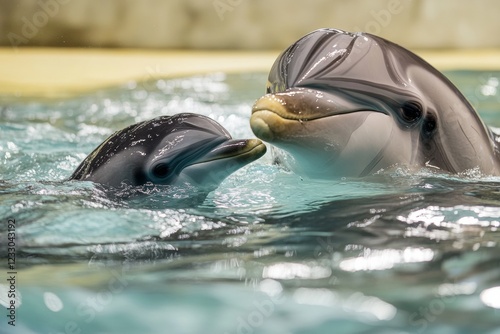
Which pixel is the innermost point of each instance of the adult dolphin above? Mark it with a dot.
(169, 150)
(351, 104)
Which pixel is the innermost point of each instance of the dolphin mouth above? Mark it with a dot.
(304, 105)
(209, 170)
(276, 116)
(297, 117)
(238, 150)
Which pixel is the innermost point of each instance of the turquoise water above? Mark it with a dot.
(267, 252)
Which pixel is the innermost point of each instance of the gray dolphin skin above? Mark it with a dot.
(342, 104)
(169, 150)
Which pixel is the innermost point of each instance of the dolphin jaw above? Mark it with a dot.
(266, 124)
(272, 121)
(242, 149)
(295, 105)
(211, 169)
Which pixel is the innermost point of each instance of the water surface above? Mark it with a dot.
(267, 252)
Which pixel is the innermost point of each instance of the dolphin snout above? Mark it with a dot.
(269, 117)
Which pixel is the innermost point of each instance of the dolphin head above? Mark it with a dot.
(350, 104)
(169, 150)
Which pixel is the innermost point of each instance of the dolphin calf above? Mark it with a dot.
(169, 150)
(342, 104)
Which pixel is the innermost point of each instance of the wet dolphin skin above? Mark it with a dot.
(342, 104)
(169, 150)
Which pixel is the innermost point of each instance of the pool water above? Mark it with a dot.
(267, 252)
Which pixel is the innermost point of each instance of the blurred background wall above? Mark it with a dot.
(244, 24)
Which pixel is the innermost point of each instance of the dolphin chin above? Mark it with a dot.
(259, 123)
(265, 124)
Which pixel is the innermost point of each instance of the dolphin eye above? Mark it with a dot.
(411, 111)
(161, 170)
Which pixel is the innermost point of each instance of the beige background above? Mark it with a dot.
(153, 39)
(244, 24)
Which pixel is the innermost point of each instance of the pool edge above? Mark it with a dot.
(63, 72)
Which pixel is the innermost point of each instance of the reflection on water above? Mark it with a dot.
(267, 252)
(491, 297)
(386, 258)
